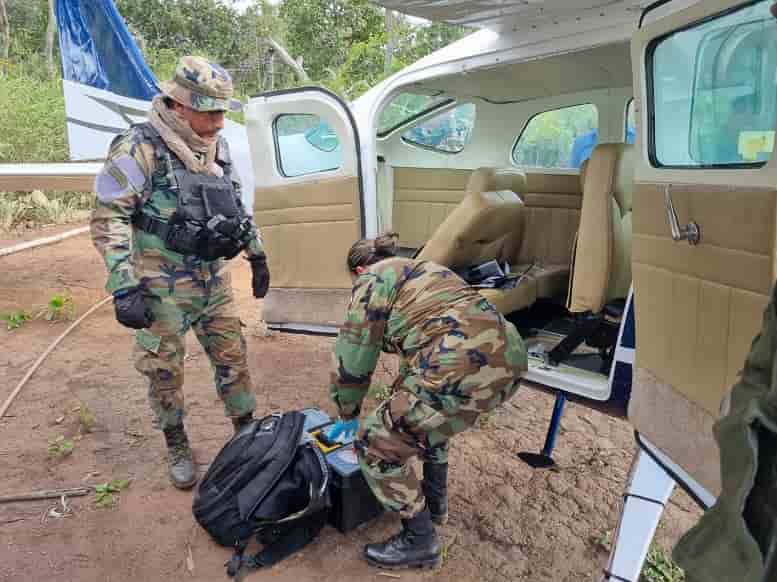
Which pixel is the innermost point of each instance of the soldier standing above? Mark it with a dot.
(459, 359)
(168, 215)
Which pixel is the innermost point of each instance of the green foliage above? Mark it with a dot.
(206, 27)
(59, 308)
(659, 567)
(340, 43)
(85, 418)
(33, 126)
(548, 138)
(107, 494)
(15, 319)
(321, 32)
(61, 447)
(362, 69)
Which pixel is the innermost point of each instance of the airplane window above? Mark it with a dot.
(405, 107)
(713, 91)
(448, 132)
(631, 124)
(561, 138)
(306, 144)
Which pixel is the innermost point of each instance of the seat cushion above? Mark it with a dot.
(552, 280)
(539, 283)
(507, 300)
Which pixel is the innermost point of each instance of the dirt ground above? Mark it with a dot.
(508, 522)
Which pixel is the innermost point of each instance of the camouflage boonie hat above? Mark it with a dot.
(201, 85)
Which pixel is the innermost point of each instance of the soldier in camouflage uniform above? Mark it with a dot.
(168, 215)
(459, 359)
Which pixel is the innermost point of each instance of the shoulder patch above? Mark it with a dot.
(119, 177)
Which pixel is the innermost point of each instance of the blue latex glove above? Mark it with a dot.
(347, 428)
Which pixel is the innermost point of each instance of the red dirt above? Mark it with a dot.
(508, 522)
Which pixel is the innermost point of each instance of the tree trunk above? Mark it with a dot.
(51, 31)
(269, 70)
(284, 55)
(5, 29)
(389, 49)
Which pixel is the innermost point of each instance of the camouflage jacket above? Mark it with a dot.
(726, 544)
(409, 308)
(123, 186)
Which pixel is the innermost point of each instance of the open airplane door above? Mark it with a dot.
(704, 218)
(307, 202)
(703, 256)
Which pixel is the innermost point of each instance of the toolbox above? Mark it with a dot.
(352, 500)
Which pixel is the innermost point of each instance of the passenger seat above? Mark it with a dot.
(476, 230)
(601, 261)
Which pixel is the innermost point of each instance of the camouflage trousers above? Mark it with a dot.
(206, 307)
(414, 424)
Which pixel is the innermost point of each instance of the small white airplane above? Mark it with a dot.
(602, 150)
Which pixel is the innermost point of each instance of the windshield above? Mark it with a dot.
(405, 107)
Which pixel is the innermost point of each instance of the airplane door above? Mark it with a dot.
(704, 216)
(307, 202)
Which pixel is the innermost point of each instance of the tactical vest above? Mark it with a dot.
(209, 221)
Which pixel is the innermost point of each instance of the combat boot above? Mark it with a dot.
(416, 546)
(180, 461)
(238, 422)
(435, 487)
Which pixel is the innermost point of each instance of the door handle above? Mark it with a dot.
(690, 232)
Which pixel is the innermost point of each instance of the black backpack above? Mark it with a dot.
(269, 480)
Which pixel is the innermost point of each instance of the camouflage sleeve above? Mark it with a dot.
(255, 247)
(359, 344)
(119, 187)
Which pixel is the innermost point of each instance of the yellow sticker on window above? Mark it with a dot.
(752, 144)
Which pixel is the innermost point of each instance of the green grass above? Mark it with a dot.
(59, 308)
(32, 127)
(107, 494)
(15, 319)
(659, 567)
(61, 447)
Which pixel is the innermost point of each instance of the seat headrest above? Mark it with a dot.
(619, 158)
(493, 180)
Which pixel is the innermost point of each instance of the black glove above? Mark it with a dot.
(260, 276)
(131, 310)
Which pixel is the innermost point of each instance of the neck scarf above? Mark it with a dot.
(197, 153)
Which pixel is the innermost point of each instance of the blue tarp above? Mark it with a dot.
(98, 50)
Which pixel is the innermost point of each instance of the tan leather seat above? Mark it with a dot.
(477, 229)
(493, 222)
(542, 242)
(601, 263)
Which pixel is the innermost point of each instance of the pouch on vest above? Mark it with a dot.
(208, 222)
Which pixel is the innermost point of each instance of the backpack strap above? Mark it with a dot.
(288, 541)
(290, 534)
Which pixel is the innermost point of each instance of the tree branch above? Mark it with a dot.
(284, 55)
